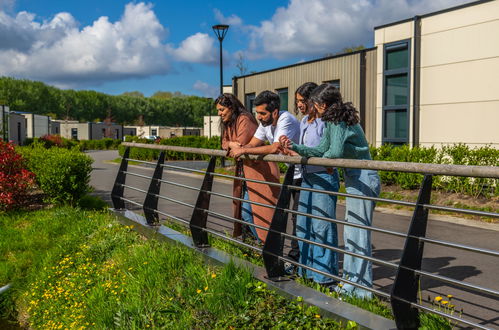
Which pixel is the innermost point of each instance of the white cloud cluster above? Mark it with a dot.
(58, 51)
(206, 89)
(232, 20)
(317, 27)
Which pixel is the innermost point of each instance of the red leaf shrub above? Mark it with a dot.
(51, 140)
(15, 180)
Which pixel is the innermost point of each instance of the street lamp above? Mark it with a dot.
(220, 31)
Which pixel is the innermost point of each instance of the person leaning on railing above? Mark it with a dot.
(344, 138)
(320, 178)
(239, 128)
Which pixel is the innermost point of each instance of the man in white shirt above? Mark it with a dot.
(273, 124)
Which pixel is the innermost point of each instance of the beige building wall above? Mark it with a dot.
(459, 80)
(345, 68)
(460, 77)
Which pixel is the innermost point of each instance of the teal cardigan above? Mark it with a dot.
(338, 141)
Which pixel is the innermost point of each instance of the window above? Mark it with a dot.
(283, 96)
(154, 132)
(117, 134)
(104, 132)
(74, 133)
(396, 93)
(56, 130)
(335, 83)
(249, 102)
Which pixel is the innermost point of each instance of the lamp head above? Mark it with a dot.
(220, 31)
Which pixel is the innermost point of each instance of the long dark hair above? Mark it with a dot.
(336, 110)
(305, 90)
(230, 101)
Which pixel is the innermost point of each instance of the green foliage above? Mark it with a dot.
(93, 272)
(181, 141)
(88, 106)
(458, 154)
(89, 202)
(49, 141)
(62, 174)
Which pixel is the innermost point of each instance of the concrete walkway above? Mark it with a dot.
(460, 265)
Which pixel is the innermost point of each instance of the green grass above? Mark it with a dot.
(81, 269)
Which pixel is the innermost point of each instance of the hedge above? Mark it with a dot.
(49, 141)
(62, 174)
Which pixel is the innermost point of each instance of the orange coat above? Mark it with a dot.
(242, 131)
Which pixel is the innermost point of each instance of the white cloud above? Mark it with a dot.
(60, 52)
(232, 20)
(206, 89)
(317, 27)
(198, 48)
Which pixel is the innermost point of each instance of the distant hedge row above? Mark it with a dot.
(458, 154)
(49, 141)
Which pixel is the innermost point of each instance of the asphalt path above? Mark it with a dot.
(469, 267)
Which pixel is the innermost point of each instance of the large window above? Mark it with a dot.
(249, 102)
(396, 92)
(74, 133)
(335, 83)
(283, 96)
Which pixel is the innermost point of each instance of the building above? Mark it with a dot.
(429, 80)
(36, 125)
(12, 126)
(214, 122)
(144, 131)
(354, 73)
(75, 130)
(437, 77)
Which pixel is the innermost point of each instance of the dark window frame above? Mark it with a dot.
(397, 45)
(282, 90)
(249, 99)
(335, 82)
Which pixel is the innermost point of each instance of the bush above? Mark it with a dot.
(89, 202)
(49, 141)
(62, 174)
(15, 180)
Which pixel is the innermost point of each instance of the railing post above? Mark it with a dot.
(151, 201)
(274, 243)
(406, 283)
(118, 189)
(199, 216)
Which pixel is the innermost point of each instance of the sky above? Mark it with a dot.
(115, 46)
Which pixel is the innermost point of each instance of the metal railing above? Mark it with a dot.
(404, 292)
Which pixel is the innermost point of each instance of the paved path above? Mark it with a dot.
(457, 264)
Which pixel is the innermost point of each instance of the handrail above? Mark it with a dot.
(434, 169)
(409, 270)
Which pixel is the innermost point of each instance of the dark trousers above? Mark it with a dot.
(294, 253)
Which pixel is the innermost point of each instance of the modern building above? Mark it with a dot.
(12, 126)
(353, 73)
(89, 131)
(429, 80)
(437, 77)
(214, 122)
(144, 131)
(36, 125)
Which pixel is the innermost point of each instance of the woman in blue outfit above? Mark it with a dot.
(316, 177)
(344, 138)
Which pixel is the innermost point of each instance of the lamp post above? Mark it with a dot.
(220, 31)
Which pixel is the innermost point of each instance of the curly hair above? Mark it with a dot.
(232, 102)
(269, 98)
(305, 90)
(336, 110)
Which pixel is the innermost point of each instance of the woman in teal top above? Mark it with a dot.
(344, 138)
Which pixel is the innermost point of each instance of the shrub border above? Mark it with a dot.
(328, 306)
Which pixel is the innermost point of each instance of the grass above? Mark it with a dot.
(72, 268)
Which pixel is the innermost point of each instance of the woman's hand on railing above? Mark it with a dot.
(234, 145)
(285, 142)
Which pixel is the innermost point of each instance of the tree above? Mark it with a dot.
(162, 95)
(241, 64)
(133, 94)
(346, 50)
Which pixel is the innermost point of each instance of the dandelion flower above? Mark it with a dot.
(213, 275)
(445, 302)
(206, 288)
(198, 290)
(450, 296)
(317, 316)
(437, 299)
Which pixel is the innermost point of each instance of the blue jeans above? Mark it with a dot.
(316, 230)
(365, 183)
(247, 213)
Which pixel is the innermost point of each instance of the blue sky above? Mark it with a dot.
(118, 46)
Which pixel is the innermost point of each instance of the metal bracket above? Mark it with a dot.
(199, 216)
(151, 201)
(118, 189)
(274, 243)
(406, 283)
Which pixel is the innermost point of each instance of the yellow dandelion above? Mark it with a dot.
(206, 288)
(198, 291)
(450, 296)
(445, 302)
(452, 306)
(145, 262)
(317, 316)
(213, 275)
(437, 299)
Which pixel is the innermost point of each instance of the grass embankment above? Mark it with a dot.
(77, 269)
